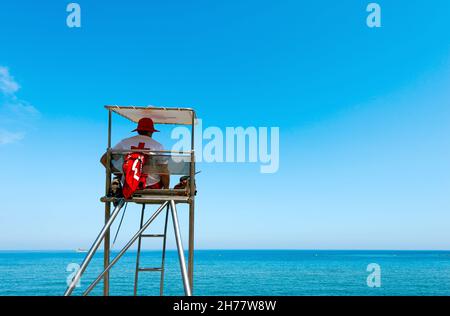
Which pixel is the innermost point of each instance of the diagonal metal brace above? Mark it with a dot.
(94, 248)
(127, 246)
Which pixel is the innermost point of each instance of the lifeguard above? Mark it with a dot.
(144, 141)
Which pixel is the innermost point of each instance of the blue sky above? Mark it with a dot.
(363, 115)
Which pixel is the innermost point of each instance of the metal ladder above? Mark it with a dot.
(163, 257)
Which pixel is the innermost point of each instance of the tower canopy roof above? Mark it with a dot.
(159, 115)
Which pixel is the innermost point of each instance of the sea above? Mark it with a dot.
(237, 272)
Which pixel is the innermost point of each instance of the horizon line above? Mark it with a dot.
(223, 249)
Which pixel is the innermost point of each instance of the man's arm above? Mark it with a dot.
(103, 160)
(119, 146)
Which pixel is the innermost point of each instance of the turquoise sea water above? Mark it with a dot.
(239, 272)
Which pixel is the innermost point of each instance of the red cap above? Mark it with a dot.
(145, 125)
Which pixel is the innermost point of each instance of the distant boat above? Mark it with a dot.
(81, 250)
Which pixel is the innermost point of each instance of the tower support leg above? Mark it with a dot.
(176, 228)
(106, 252)
(163, 257)
(191, 246)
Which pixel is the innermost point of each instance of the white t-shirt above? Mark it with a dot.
(139, 142)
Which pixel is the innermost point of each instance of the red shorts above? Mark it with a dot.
(157, 185)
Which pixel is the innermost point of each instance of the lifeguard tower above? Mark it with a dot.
(177, 163)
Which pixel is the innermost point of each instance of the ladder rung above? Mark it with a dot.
(149, 269)
(152, 235)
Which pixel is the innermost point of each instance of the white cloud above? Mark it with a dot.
(9, 137)
(14, 112)
(7, 83)
(20, 109)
